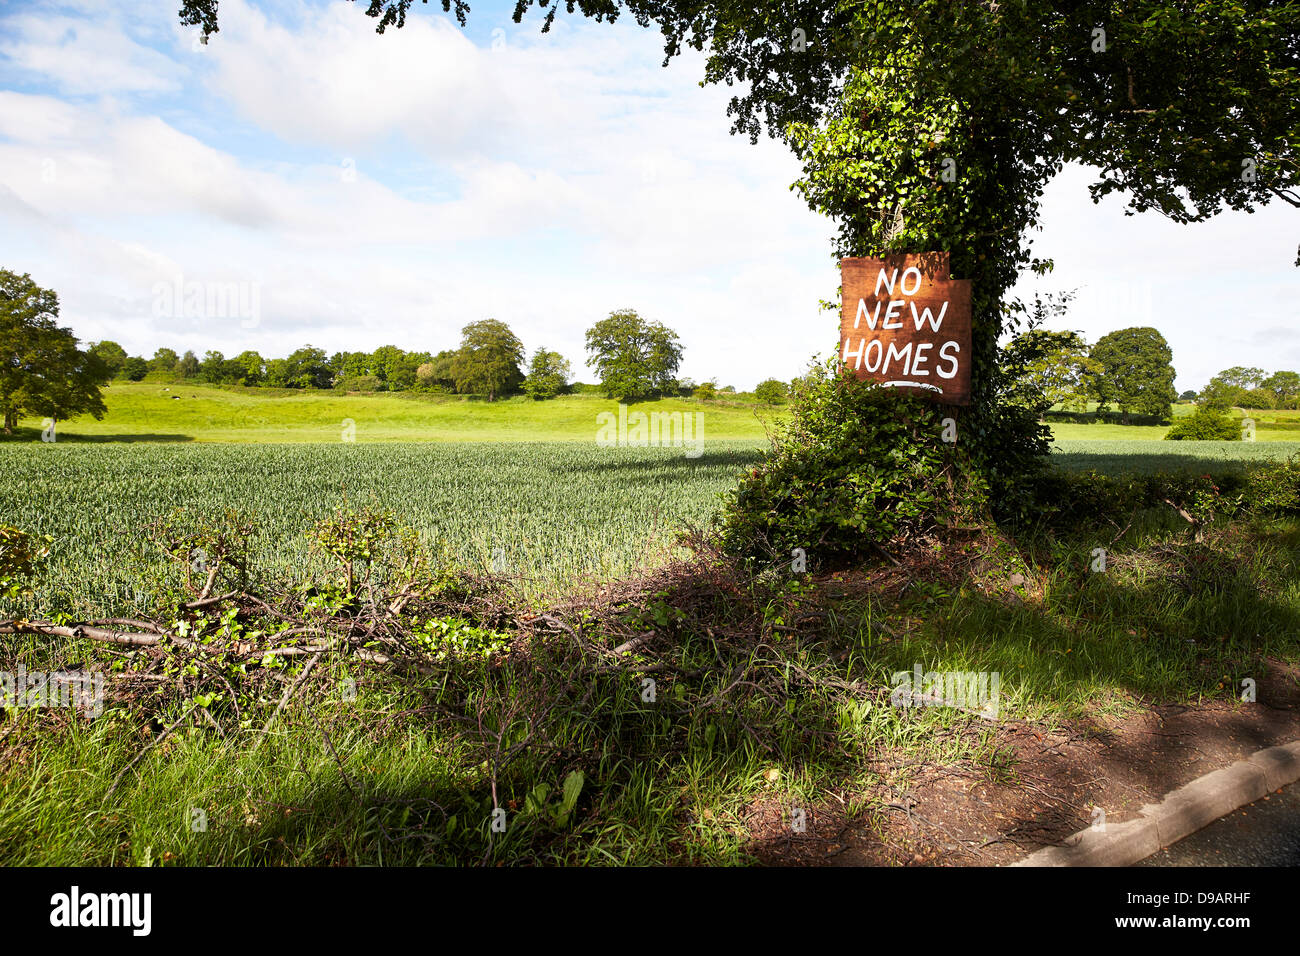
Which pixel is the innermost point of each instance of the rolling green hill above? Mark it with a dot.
(203, 413)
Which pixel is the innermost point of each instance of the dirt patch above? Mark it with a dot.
(1042, 787)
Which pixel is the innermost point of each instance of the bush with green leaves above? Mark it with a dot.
(857, 469)
(1274, 489)
(21, 555)
(1207, 423)
(772, 392)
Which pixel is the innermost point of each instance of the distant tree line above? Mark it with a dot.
(1242, 387)
(635, 359)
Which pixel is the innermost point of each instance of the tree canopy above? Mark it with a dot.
(548, 375)
(42, 372)
(488, 359)
(634, 358)
(1134, 372)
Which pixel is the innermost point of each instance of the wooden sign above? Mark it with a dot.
(906, 324)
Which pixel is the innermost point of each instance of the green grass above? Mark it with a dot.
(385, 779)
(1152, 455)
(379, 779)
(201, 413)
(1270, 426)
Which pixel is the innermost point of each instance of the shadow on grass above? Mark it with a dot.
(632, 460)
(25, 435)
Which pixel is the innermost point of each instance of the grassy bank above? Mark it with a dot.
(200, 413)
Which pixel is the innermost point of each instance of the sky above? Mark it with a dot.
(316, 183)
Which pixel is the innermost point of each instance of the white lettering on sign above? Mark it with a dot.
(943, 354)
(906, 324)
(926, 317)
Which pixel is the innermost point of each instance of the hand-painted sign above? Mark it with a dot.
(906, 324)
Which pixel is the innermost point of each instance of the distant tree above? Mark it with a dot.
(112, 355)
(1134, 372)
(277, 373)
(440, 372)
(213, 369)
(435, 374)
(360, 383)
(635, 358)
(1221, 394)
(1285, 387)
(1188, 396)
(42, 372)
(772, 392)
(1051, 368)
(135, 368)
(1242, 377)
(346, 366)
(1260, 398)
(706, 390)
(487, 362)
(164, 360)
(307, 368)
(548, 375)
(188, 366)
(394, 367)
(251, 368)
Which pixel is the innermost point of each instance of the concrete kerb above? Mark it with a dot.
(1179, 814)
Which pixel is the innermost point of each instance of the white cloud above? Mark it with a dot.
(87, 55)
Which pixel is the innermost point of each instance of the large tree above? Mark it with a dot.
(1052, 368)
(488, 360)
(1134, 372)
(42, 372)
(634, 358)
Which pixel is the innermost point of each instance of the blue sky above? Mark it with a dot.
(388, 190)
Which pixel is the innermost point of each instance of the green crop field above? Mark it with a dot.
(541, 513)
(517, 486)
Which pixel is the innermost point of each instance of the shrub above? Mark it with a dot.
(1274, 489)
(21, 557)
(1069, 500)
(359, 383)
(1205, 424)
(771, 392)
(858, 467)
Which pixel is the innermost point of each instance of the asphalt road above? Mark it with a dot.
(1263, 833)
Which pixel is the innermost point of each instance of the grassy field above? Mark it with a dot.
(200, 413)
(1270, 426)
(151, 412)
(406, 769)
(1151, 455)
(543, 513)
(517, 486)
